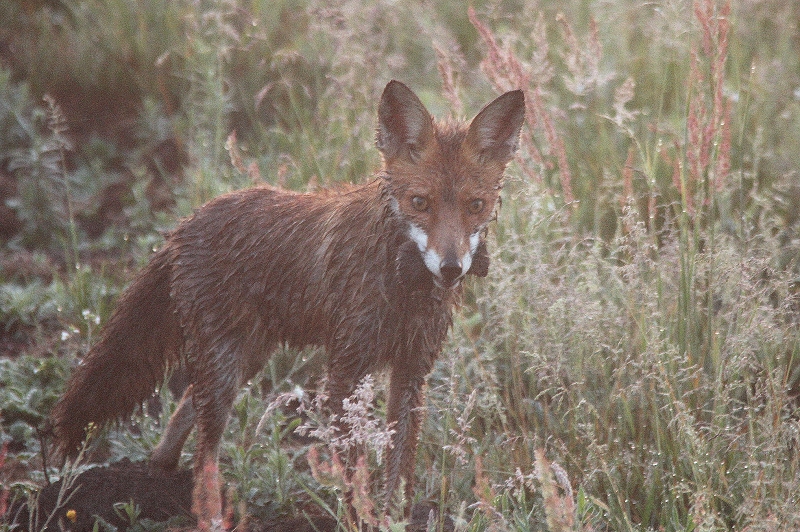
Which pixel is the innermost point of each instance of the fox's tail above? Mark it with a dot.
(140, 340)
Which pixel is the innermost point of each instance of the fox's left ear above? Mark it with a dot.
(494, 132)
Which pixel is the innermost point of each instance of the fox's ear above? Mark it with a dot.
(494, 132)
(404, 125)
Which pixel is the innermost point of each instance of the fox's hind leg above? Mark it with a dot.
(213, 395)
(168, 451)
(217, 378)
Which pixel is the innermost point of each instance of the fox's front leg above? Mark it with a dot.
(404, 415)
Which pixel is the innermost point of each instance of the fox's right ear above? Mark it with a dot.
(404, 125)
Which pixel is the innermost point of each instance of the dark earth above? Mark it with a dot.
(159, 496)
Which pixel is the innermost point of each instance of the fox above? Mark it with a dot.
(371, 272)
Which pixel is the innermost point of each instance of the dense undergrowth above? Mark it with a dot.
(631, 363)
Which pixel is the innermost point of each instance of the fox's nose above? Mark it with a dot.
(450, 270)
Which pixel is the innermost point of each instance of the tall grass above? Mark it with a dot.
(651, 357)
(631, 362)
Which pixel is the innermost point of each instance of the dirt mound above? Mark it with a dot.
(159, 496)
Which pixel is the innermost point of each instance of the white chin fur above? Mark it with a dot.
(419, 236)
(432, 261)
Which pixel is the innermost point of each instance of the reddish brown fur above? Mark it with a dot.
(261, 267)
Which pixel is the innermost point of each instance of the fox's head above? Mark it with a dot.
(445, 179)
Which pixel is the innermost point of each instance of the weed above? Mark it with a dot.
(352, 455)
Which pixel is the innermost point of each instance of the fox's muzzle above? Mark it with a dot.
(448, 268)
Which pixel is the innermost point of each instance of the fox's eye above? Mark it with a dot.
(419, 203)
(476, 206)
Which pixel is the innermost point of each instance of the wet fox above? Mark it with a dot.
(370, 272)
